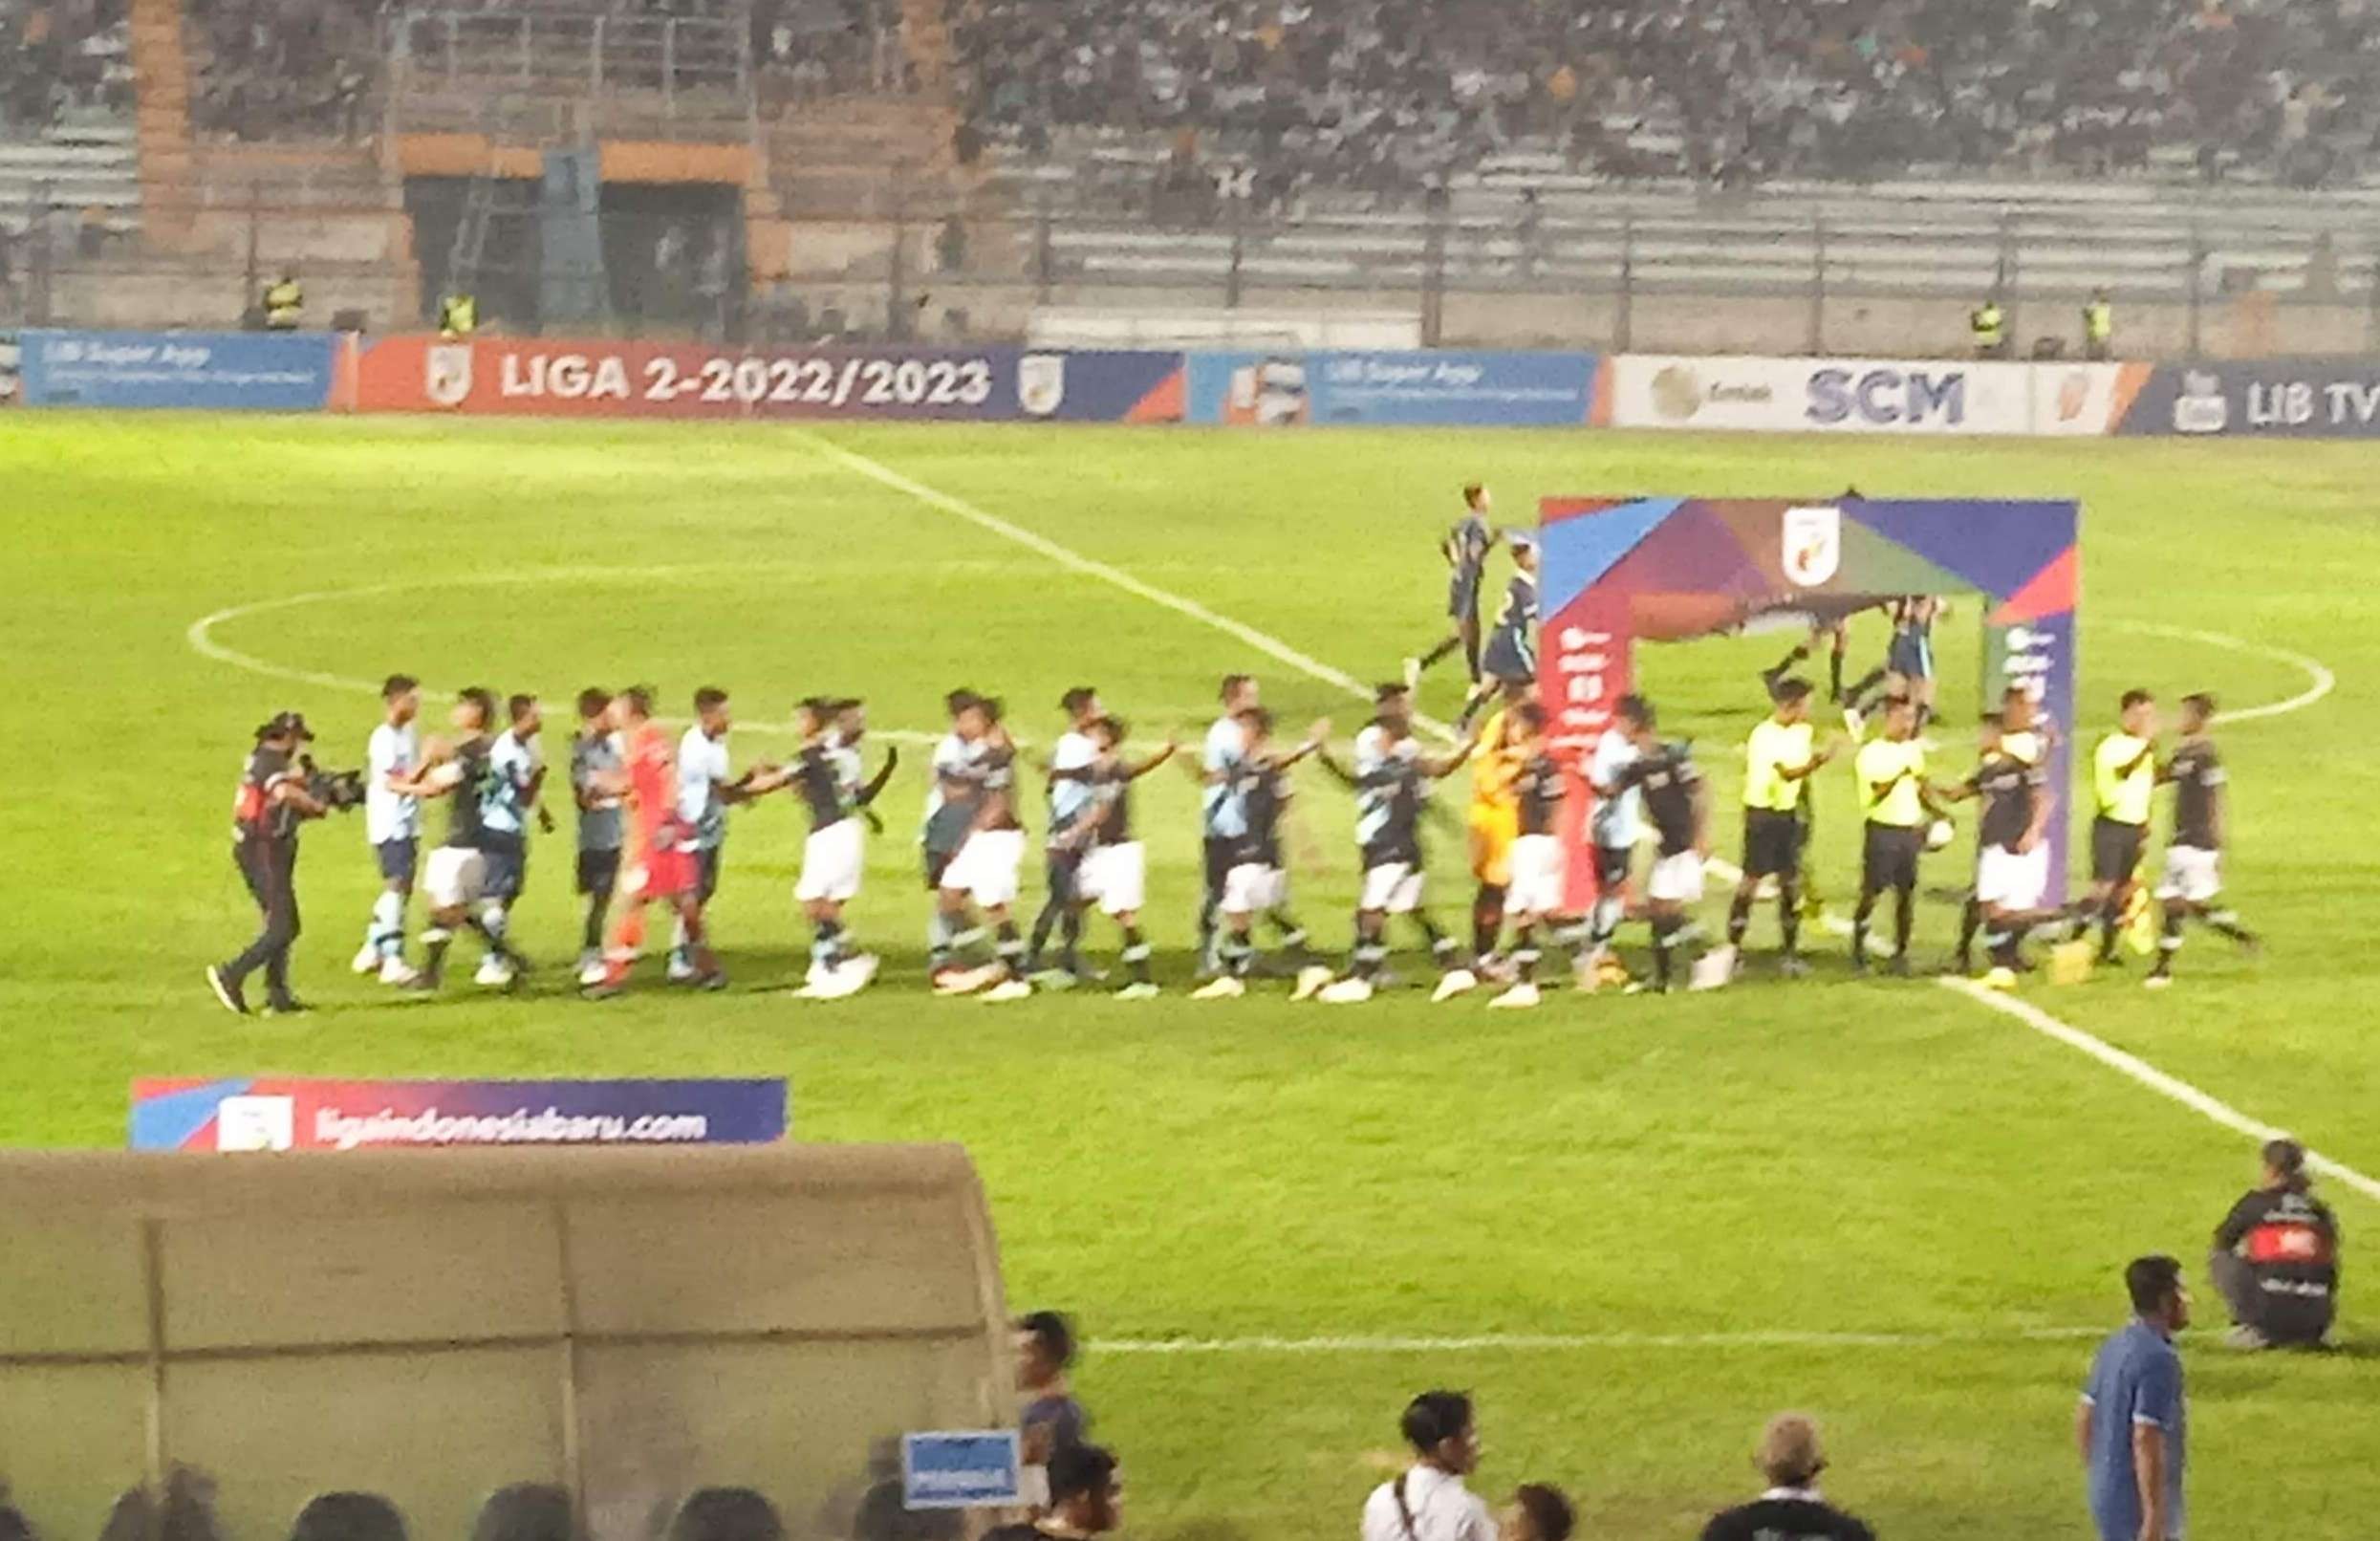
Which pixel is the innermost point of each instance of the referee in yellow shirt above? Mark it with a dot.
(1779, 759)
(2123, 781)
(1894, 798)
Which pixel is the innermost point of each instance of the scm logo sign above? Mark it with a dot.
(1887, 396)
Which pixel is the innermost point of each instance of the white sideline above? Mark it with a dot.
(1541, 1341)
(2323, 680)
(1272, 647)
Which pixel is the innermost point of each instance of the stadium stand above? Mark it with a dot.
(1392, 98)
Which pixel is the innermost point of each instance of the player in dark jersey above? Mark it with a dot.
(2012, 855)
(1069, 772)
(1466, 549)
(1534, 895)
(1256, 878)
(826, 774)
(1508, 662)
(1677, 804)
(456, 876)
(984, 871)
(2192, 885)
(1115, 864)
(1390, 781)
(2023, 734)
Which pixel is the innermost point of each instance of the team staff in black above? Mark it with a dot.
(272, 802)
(2276, 1259)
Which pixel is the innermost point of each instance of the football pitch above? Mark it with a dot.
(1634, 1227)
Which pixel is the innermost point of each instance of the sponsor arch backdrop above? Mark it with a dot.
(536, 377)
(1617, 571)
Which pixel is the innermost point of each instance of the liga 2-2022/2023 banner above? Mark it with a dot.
(541, 378)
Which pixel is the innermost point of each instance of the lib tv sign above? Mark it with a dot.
(2276, 398)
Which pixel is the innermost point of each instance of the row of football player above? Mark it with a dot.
(974, 841)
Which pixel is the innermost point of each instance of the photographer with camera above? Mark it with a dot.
(279, 790)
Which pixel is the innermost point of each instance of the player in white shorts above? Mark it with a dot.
(1114, 869)
(826, 774)
(1256, 878)
(1538, 867)
(2192, 883)
(1390, 781)
(2012, 855)
(1678, 805)
(984, 871)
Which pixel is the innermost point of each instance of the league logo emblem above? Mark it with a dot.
(256, 1123)
(1040, 383)
(447, 375)
(1813, 545)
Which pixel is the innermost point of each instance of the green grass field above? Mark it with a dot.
(1833, 1157)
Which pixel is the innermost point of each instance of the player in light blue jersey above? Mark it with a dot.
(1069, 803)
(1223, 819)
(508, 794)
(391, 823)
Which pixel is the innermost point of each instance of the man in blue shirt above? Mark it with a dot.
(2133, 1426)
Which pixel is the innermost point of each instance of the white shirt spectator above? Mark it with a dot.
(1441, 1509)
(389, 815)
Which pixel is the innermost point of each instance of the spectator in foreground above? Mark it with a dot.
(13, 1525)
(525, 1511)
(1537, 1513)
(348, 1517)
(1429, 1501)
(1052, 1419)
(2276, 1260)
(1789, 1458)
(1086, 1499)
(2131, 1427)
(726, 1514)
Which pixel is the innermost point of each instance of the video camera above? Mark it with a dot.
(336, 789)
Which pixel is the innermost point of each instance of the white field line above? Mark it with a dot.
(2321, 681)
(1075, 561)
(1528, 1342)
(2131, 1066)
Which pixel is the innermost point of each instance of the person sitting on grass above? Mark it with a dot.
(2276, 1259)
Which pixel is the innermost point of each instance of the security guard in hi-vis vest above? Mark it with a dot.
(1989, 325)
(285, 304)
(2099, 327)
(458, 316)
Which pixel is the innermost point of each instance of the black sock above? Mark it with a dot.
(1487, 919)
(1970, 921)
(1859, 929)
(1292, 933)
(1237, 953)
(1740, 916)
(1788, 912)
(1432, 658)
(1008, 946)
(1904, 919)
(1207, 910)
(1044, 924)
(1835, 673)
(2111, 923)
(1136, 955)
(2226, 922)
(1524, 952)
(1369, 954)
(1858, 692)
(1664, 935)
(434, 955)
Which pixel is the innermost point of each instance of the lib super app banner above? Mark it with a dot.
(274, 1113)
(535, 377)
(1437, 386)
(219, 371)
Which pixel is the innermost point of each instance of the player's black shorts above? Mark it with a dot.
(1910, 656)
(2115, 849)
(1507, 659)
(1221, 852)
(1611, 864)
(1064, 865)
(506, 866)
(1772, 842)
(397, 859)
(1889, 860)
(1462, 599)
(599, 870)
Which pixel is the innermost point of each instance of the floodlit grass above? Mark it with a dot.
(1829, 1157)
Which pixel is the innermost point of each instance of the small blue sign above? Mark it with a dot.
(253, 371)
(959, 1470)
(1432, 386)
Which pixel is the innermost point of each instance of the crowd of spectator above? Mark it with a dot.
(282, 69)
(1388, 95)
(811, 50)
(61, 56)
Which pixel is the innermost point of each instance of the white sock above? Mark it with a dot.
(387, 930)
